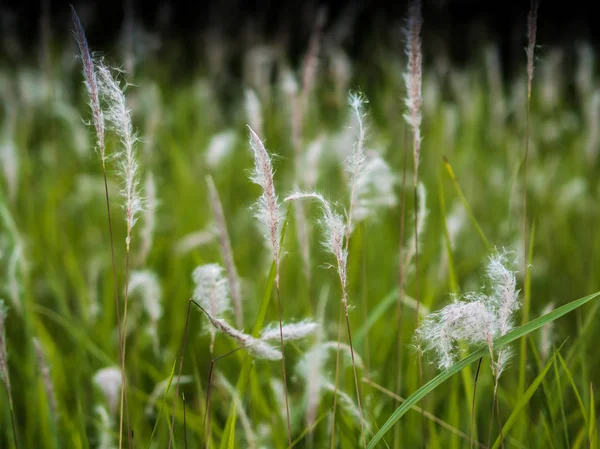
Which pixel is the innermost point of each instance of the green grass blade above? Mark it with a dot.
(465, 204)
(592, 429)
(247, 364)
(162, 405)
(498, 344)
(571, 380)
(523, 401)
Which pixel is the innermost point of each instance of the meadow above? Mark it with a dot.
(289, 200)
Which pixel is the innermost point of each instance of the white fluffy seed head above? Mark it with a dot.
(147, 285)
(254, 111)
(334, 227)
(149, 218)
(268, 209)
(505, 297)
(220, 148)
(475, 318)
(10, 167)
(413, 79)
(118, 116)
(109, 381)
(91, 82)
(468, 321)
(211, 290)
(374, 188)
(4, 377)
(291, 331)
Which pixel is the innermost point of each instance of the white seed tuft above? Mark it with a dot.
(291, 331)
(211, 292)
(109, 381)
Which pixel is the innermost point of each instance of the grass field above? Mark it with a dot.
(61, 361)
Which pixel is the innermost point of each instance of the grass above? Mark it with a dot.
(57, 281)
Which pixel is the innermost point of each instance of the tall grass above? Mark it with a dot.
(82, 367)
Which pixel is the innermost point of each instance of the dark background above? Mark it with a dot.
(452, 26)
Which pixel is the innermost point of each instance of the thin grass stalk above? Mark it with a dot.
(184, 422)
(418, 409)
(343, 282)
(473, 403)
(124, 382)
(400, 285)
(413, 79)
(185, 330)
(287, 405)
(4, 374)
(269, 211)
(226, 252)
(364, 292)
(211, 370)
(98, 120)
(531, 33)
(337, 369)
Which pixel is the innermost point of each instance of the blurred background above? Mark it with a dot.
(454, 27)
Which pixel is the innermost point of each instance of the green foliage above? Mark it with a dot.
(57, 283)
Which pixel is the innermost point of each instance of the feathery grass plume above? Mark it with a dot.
(44, 370)
(468, 320)
(91, 84)
(546, 334)
(311, 59)
(374, 188)
(108, 380)
(531, 37)
(118, 115)
(15, 265)
(475, 317)
(334, 228)
(423, 213)
(10, 167)
(337, 233)
(268, 209)
(413, 79)
(149, 218)
(226, 252)
(211, 292)
(220, 148)
(268, 212)
(312, 162)
(254, 111)
(194, 240)
(592, 115)
(104, 426)
(291, 331)
(355, 162)
(256, 347)
(147, 284)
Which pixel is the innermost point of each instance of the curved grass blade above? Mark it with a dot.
(242, 383)
(523, 401)
(498, 344)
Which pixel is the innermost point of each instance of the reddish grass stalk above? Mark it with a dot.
(185, 329)
(226, 252)
(98, 121)
(400, 285)
(413, 79)
(531, 35)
